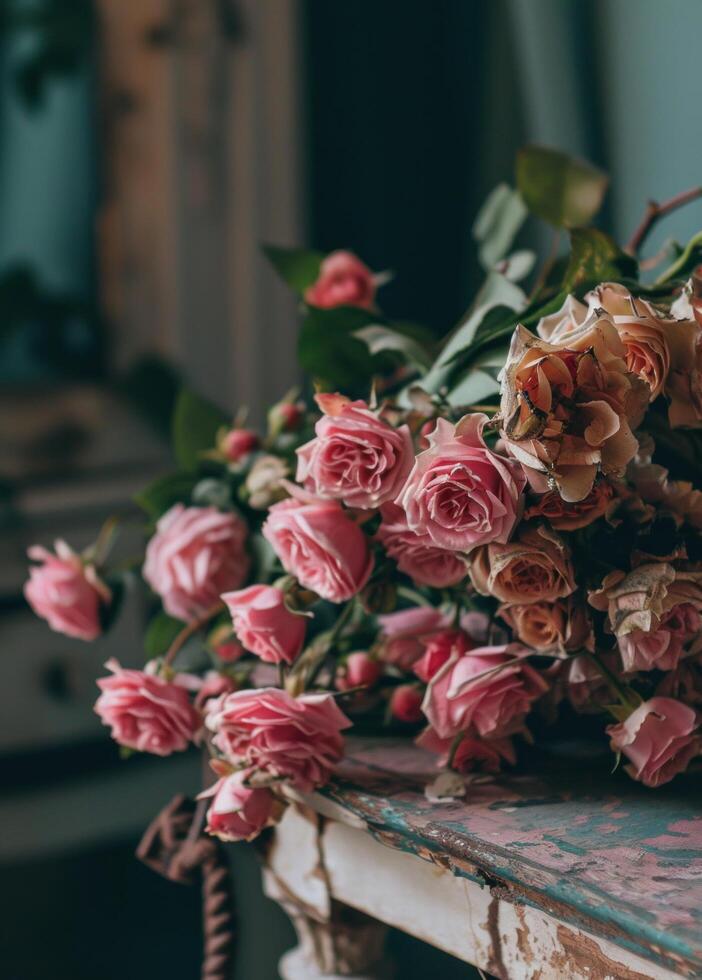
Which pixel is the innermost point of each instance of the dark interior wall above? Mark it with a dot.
(410, 121)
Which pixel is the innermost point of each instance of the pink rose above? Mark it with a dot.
(320, 545)
(66, 592)
(298, 739)
(402, 632)
(358, 670)
(355, 456)
(471, 753)
(490, 689)
(438, 650)
(659, 738)
(265, 625)
(663, 647)
(343, 281)
(416, 554)
(406, 703)
(196, 554)
(459, 493)
(238, 811)
(145, 712)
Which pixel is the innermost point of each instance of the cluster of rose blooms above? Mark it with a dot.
(460, 574)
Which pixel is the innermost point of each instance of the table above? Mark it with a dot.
(566, 872)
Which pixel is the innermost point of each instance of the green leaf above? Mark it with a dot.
(497, 223)
(480, 385)
(299, 267)
(160, 633)
(329, 350)
(595, 257)
(562, 190)
(496, 328)
(690, 257)
(196, 422)
(380, 338)
(496, 292)
(167, 490)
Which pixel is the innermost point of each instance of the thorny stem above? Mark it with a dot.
(190, 630)
(654, 212)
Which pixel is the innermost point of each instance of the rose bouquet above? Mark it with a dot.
(459, 544)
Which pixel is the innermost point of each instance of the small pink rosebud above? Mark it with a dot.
(239, 443)
(360, 670)
(286, 417)
(343, 281)
(229, 651)
(406, 703)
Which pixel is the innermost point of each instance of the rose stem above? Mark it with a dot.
(190, 630)
(654, 212)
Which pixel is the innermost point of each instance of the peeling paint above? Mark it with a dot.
(614, 858)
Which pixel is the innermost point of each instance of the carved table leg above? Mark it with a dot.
(335, 941)
(348, 944)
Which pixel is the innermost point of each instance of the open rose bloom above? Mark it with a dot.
(465, 550)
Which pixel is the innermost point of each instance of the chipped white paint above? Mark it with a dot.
(429, 902)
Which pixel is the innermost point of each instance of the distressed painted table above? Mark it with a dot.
(549, 876)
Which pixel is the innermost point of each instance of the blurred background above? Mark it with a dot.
(147, 148)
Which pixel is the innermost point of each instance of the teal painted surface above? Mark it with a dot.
(595, 850)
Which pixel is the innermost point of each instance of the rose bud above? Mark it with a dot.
(146, 712)
(343, 281)
(238, 812)
(406, 703)
(66, 592)
(237, 444)
(229, 651)
(264, 624)
(286, 416)
(359, 670)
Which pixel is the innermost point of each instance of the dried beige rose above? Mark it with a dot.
(554, 627)
(535, 567)
(568, 410)
(637, 600)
